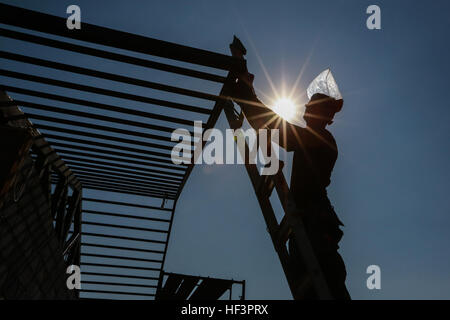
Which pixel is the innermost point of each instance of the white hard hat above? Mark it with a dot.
(325, 84)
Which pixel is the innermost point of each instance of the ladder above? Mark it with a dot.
(291, 222)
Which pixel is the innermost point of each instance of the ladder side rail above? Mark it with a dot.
(267, 210)
(291, 222)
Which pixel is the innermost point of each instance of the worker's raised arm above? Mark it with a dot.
(260, 116)
(255, 111)
(243, 92)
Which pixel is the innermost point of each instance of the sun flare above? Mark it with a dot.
(285, 108)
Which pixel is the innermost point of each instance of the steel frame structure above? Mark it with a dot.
(121, 155)
(187, 287)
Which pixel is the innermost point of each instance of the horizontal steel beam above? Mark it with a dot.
(115, 160)
(119, 284)
(104, 137)
(101, 117)
(110, 55)
(117, 175)
(97, 105)
(114, 179)
(126, 191)
(121, 226)
(89, 273)
(104, 246)
(94, 126)
(112, 172)
(116, 171)
(117, 165)
(119, 184)
(101, 91)
(163, 156)
(129, 216)
(125, 204)
(97, 255)
(42, 22)
(107, 184)
(89, 126)
(118, 292)
(118, 266)
(116, 153)
(103, 156)
(103, 235)
(107, 76)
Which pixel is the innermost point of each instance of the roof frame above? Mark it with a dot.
(109, 157)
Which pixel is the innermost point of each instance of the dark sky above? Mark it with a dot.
(390, 182)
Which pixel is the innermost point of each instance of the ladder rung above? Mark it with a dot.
(284, 230)
(265, 186)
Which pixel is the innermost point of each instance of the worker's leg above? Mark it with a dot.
(333, 268)
(325, 230)
(300, 270)
(331, 263)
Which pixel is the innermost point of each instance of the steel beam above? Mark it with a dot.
(42, 22)
(107, 76)
(101, 91)
(125, 204)
(110, 55)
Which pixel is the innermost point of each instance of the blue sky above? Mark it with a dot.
(390, 182)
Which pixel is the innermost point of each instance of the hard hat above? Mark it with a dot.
(324, 86)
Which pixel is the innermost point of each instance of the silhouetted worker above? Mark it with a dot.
(315, 153)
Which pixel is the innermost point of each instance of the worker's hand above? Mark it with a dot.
(243, 87)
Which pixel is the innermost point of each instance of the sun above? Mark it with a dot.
(285, 108)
